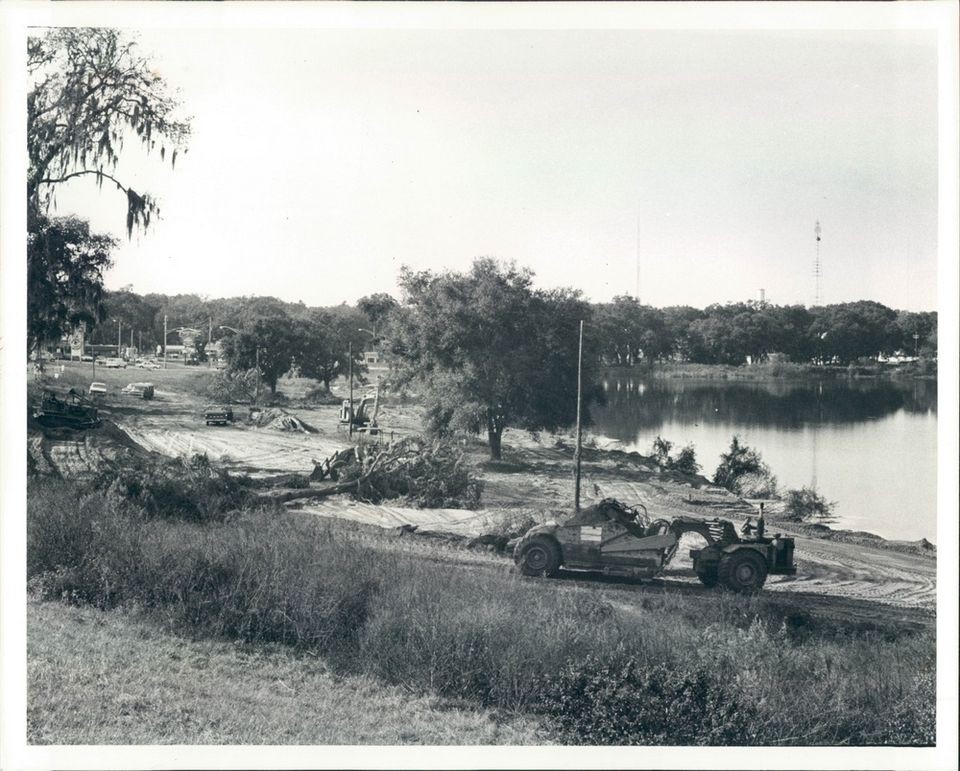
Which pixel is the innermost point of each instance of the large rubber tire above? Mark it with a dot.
(742, 571)
(708, 576)
(540, 556)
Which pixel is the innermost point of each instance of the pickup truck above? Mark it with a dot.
(218, 414)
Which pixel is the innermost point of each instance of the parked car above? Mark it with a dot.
(114, 362)
(143, 390)
(150, 365)
(218, 414)
(97, 388)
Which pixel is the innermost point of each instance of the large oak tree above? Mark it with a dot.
(490, 351)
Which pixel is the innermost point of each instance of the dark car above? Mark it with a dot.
(218, 414)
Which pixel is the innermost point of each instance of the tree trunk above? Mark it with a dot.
(494, 434)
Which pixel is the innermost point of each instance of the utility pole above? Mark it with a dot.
(258, 374)
(119, 339)
(576, 488)
(140, 341)
(350, 365)
(164, 340)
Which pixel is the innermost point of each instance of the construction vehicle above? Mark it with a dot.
(364, 415)
(71, 411)
(219, 414)
(618, 540)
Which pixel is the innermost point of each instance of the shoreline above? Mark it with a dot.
(768, 371)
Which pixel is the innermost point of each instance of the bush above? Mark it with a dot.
(233, 387)
(685, 462)
(806, 504)
(59, 525)
(320, 395)
(600, 702)
(179, 488)
(742, 471)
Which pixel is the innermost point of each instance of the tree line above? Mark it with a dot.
(735, 333)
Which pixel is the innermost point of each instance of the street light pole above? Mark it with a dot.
(350, 364)
(164, 340)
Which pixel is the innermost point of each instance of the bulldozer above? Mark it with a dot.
(616, 539)
(71, 411)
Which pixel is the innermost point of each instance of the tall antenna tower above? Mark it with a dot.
(817, 271)
(638, 255)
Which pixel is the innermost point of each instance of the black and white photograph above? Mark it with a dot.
(443, 385)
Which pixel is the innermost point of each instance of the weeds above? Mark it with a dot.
(179, 488)
(668, 671)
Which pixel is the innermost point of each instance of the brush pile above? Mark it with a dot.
(420, 473)
(280, 420)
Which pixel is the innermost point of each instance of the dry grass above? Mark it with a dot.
(491, 637)
(108, 678)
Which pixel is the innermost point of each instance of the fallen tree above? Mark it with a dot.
(423, 474)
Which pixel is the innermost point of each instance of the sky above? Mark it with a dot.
(323, 160)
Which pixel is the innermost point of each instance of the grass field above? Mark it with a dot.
(100, 677)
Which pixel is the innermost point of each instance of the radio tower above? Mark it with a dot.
(817, 272)
(638, 254)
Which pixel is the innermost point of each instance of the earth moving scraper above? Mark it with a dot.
(618, 540)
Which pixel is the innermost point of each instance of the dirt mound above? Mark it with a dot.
(75, 453)
(280, 420)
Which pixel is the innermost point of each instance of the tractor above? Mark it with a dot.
(619, 540)
(72, 410)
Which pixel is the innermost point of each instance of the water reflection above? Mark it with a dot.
(634, 405)
(870, 445)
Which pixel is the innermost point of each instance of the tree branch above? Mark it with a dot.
(82, 172)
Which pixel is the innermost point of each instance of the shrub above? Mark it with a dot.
(320, 395)
(806, 504)
(177, 488)
(601, 702)
(233, 387)
(685, 462)
(742, 470)
(59, 530)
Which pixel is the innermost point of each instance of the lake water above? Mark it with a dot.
(869, 445)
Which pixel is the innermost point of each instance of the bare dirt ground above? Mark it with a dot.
(873, 579)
